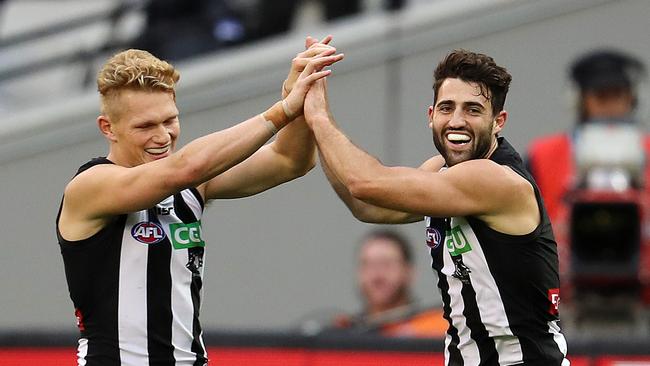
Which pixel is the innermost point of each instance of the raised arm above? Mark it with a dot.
(476, 187)
(101, 192)
(370, 213)
(291, 154)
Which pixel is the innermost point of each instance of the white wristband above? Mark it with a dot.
(287, 112)
(270, 126)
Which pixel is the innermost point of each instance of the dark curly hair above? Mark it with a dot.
(394, 237)
(493, 79)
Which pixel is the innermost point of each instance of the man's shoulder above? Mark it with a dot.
(93, 162)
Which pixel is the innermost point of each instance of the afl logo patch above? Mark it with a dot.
(434, 238)
(147, 232)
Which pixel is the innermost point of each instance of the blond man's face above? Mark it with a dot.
(144, 125)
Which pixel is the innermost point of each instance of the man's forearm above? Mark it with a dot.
(347, 162)
(217, 152)
(296, 143)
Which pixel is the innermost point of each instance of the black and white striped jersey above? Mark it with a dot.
(136, 285)
(500, 292)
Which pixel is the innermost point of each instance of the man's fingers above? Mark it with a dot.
(315, 59)
(326, 40)
(316, 64)
(310, 41)
(326, 61)
(317, 75)
(300, 62)
(315, 49)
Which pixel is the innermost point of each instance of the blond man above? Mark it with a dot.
(129, 225)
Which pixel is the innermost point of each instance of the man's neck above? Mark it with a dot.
(493, 148)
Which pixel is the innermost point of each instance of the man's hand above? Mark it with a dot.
(313, 48)
(316, 106)
(293, 103)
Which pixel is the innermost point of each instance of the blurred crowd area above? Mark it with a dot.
(43, 42)
(176, 29)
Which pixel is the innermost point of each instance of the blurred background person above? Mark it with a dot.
(385, 276)
(607, 82)
(594, 181)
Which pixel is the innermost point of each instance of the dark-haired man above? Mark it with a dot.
(488, 233)
(385, 276)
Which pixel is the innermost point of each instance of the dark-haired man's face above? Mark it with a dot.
(383, 275)
(462, 122)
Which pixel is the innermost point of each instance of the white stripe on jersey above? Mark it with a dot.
(182, 307)
(559, 339)
(466, 345)
(182, 296)
(132, 307)
(82, 351)
(192, 202)
(488, 299)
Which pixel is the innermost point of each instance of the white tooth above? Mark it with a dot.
(457, 137)
(159, 150)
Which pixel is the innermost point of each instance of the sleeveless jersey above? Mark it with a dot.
(136, 285)
(500, 292)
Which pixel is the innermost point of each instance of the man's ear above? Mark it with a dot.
(430, 116)
(499, 121)
(106, 128)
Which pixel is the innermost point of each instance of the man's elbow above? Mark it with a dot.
(187, 172)
(365, 217)
(306, 167)
(298, 168)
(360, 189)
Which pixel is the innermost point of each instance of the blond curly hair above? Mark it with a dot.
(135, 70)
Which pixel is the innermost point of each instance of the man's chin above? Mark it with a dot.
(453, 159)
(154, 157)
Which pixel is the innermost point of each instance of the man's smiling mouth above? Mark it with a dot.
(458, 138)
(158, 150)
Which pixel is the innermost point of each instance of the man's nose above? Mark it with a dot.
(457, 119)
(162, 134)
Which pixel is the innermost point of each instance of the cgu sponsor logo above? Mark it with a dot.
(147, 232)
(186, 235)
(456, 241)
